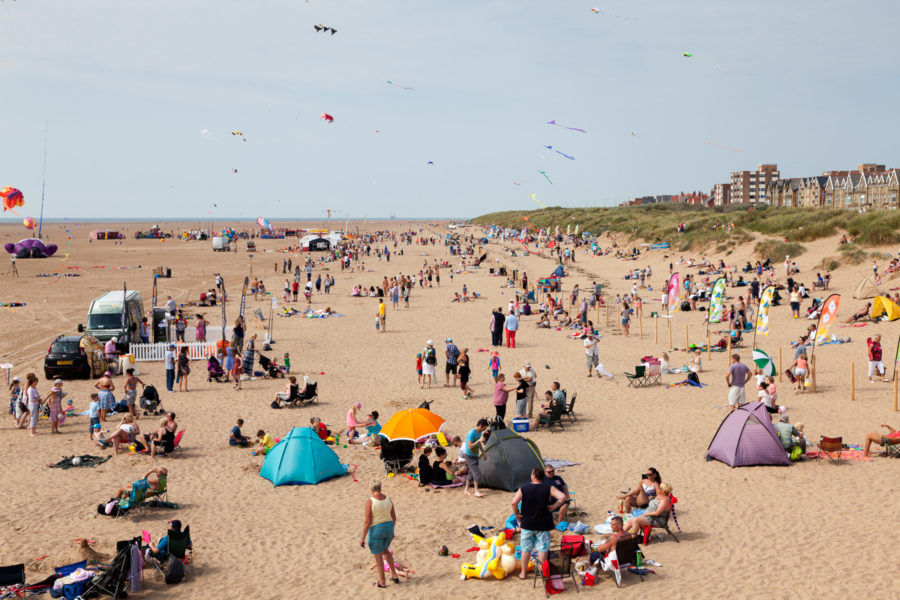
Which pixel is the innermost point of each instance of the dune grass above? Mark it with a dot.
(776, 250)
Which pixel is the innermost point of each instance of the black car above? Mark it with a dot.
(66, 357)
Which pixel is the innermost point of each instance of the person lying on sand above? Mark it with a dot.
(860, 314)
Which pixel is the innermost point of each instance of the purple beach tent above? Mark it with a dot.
(746, 437)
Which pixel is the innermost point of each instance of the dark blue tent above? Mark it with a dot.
(559, 272)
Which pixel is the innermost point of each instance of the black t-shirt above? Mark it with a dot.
(557, 482)
(425, 474)
(535, 499)
(438, 474)
(521, 389)
(464, 371)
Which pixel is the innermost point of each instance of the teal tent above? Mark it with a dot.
(301, 458)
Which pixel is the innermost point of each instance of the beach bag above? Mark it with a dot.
(174, 571)
(685, 306)
(796, 453)
(430, 356)
(693, 377)
(790, 376)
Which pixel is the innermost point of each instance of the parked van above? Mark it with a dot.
(104, 320)
(220, 244)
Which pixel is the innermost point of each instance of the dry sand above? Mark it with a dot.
(802, 531)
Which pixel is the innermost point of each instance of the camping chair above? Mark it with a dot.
(831, 447)
(891, 447)
(653, 375)
(177, 443)
(162, 493)
(570, 409)
(636, 379)
(69, 569)
(554, 570)
(553, 418)
(178, 550)
(664, 524)
(623, 557)
(12, 575)
(136, 499)
(311, 396)
(72, 590)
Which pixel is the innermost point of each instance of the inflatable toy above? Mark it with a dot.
(31, 248)
(29, 223)
(496, 557)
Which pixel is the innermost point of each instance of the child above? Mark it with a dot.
(316, 424)
(765, 398)
(419, 367)
(55, 405)
(399, 568)
(287, 363)
(229, 362)
(760, 378)
(15, 391)
(352, 421)
(236, 370)
(495, 364)
(236, 438)
(265, 442)
(772, 390)
(94, 415)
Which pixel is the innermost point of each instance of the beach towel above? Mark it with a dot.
(452, 484)
(559, 463)
(85, 460)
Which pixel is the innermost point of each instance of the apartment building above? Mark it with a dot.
(721, 194)
(797, 191)
(749, 187)
(863, 190)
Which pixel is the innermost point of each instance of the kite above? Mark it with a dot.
(564, 127)
(687, 55)
(206, 134)
(29, 223)
(430, 162)
(633, 134)
(597, 11)
(235, 132)
(544, 173)
(12, 198)
(402, 87)
(516, 183)
(325, 28)
(560, 153)
(719, 67)
(264, 223)
(534, 197)
(724, 147)
(328, 118)
(329, 211)
(234, 170)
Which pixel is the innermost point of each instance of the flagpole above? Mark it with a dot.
(43, 183)
(896, 357)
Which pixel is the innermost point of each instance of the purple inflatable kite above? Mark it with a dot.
(31, 248)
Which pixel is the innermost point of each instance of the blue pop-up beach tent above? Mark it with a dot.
(301, 458)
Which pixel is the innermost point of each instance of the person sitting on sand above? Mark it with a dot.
(544, 322)
(316, 424)
(892, 438)
(401, 569)
(787, 434)
(265, 442)
(641, 494)
(442, 471)
(125, 434)
(657, 512)
(236, 438)
(859, 315)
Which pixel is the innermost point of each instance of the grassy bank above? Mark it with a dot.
(658, 223)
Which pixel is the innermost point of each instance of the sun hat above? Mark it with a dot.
(54, 389)
(107, 374)
(429, 342)
(57, 381)
(16, 378)
(785, 419)
(358, 405)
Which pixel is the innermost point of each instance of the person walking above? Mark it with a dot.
(378, 530)
(452, 353)
(533, 506)
(429, 360)
(737, 377)
(874, 353)
(591, 353)
(511, 324)
(382, 315)
(200, 328)
(34, 401)
(184, 369)
(497, 322)
(471, 449)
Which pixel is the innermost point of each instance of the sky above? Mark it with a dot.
(124, 90)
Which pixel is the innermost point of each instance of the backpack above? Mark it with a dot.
(693, 377)
(174, 571)
(430, 356)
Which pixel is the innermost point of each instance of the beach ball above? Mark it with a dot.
(443, 551)
(76, 461)
(28, 222)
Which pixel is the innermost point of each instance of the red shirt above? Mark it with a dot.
(321, 431)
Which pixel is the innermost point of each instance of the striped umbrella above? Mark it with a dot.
(764, 362)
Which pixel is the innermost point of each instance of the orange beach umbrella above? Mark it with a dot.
(412, 424)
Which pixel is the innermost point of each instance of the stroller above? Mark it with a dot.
(396, 454)
(113, 580)
(214, 370)
(150, 402)
(269, 368)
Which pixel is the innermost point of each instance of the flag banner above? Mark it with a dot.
(673, 292)
(827, 318)
(244, 296)
(717, 301)
(765, 303)
(124, 309)
(155, 277)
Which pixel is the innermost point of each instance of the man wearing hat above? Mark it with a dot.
(529, 377)
(170, 368)
(452, 353)
(591, 353)
(161, 550)
(787, 432)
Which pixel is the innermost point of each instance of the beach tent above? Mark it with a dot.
(508, 460)
(559, 272)
(301, 458)
(866, 289)
(747, 437)
(884, 306)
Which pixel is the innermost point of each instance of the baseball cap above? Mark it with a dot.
(785, 419)
(527, 364)
(57, 381)
(449, 339)
(171, 345)
(16, 378)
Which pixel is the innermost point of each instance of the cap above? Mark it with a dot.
(107, 374)
(785, 419)
(429, 342)
(57, 381)
(495, 353)
(16, 378)
(54, 389)
(175, 525)
(449, 340)
(527, 364)
(171, 345)
(358, 405)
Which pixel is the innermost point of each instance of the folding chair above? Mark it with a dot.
(12, 575)
(830, 447)
(553, 418)
(162, 493)
(135, 501)
(648, 531)
(654, 374)
(570, 409)
(554, 571)
(891, 447)
(177, 443)
(623, 557)
(636, 379)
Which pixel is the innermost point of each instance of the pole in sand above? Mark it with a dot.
(686, 342)
(708, 345)
(852, 382)
(779, 365)
(656, 330)
(670, 333)
(895, 393)
(812, 373)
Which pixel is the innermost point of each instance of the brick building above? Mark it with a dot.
(749, 187)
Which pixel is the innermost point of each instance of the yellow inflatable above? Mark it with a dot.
(496, 557)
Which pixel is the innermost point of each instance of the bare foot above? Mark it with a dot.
(479, 495)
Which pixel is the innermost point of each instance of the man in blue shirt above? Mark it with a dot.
(511, 325)
(452, 353)
(161, 551)
(471, 449)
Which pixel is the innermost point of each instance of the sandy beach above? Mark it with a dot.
(781, 532)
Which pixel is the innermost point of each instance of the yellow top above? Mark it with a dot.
(381, 309)
(267, 441)
(381, 510)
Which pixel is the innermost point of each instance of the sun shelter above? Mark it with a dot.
(559, 272)
(884, 306)
(746, 437)
(301, 458)
(866, 289)
(508, 460)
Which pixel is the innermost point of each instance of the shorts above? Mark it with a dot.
(536, 540)
(130, 397)
(799, 372)
(736, 395)
(463, 384)
(380, 537)
(795, 306)
(474, 471)
(95, 424)
(448, 369)
(624, 321)
(418, 371)
(592, 360)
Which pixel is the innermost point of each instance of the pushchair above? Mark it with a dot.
(150, 402)
(214, 370)
(269, 368)
(113, 581)
(396, 454)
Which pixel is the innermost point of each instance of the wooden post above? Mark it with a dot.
(708, 346)
(656, 330)
(729, 346)
(852, 382)
(812, 373)
(686, 343)
(607, 314)
(670, 334)
(641, 325)
(779, 365)
(896, 379)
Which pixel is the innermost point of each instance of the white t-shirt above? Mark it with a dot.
(590, 346)
(170, 359)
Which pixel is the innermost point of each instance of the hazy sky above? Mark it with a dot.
(127, 87)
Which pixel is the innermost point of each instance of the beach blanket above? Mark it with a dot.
(559, 463)
(686, 382)
(846, 454)
(449, 485)
(86, 460)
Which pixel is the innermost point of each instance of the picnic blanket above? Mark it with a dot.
(846, 454)
(687, 382)
(87, 460)
(559, 463)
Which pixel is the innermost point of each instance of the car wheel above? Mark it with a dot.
(47, 374)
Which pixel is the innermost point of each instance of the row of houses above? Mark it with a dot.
(869, 187)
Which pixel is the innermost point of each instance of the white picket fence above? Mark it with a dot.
(157, 351)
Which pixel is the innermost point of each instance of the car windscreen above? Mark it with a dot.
(64, 348)
(104, 321)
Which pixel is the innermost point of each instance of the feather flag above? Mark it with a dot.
(673, 292)
(826, 319)
(717, 301)
(765, 303)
